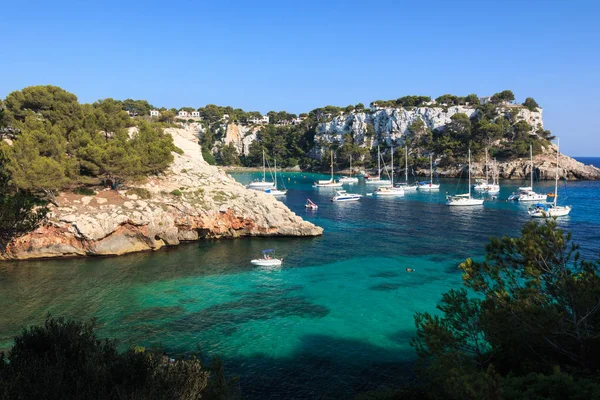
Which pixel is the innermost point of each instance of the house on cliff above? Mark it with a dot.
(154, 113)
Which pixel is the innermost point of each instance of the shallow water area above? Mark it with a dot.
(335, 319)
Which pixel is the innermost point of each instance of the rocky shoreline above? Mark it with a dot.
(191, 201)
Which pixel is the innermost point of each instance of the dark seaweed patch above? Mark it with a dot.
(384, 274)
(153, 313)
(386, 287)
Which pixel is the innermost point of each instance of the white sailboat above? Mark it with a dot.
(526, 193)
(464, 199)
(330, 183)
(405, 185)
(349, 179)
(429, 185)
(485, 186)
(551, 210)
(261, 184)
(274, 191)
(387, 191)
(376, 180)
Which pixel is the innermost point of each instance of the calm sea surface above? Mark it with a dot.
(335, 320)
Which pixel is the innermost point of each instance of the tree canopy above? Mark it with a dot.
(529, 322)
(58, 143)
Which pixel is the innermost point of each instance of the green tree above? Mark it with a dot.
(64, 359)
(534, 309)
(503, 96)
(228, 155)
(531, 104)
(20, 212)
(472, 99)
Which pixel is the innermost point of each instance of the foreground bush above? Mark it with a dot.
(65, 360)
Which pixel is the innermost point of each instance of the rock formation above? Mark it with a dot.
(191, 201)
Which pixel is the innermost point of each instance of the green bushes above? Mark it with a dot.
(140, 193)
(84, 191)
(177, 193)
(64, 359)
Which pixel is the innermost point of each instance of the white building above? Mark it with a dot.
(196, 114)
(154, 113)
(183, 114)
(261, 120)
(485, 99)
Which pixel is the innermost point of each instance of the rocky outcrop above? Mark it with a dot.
(544, 164)
(191, 201)
(391, 124)
(241, 136)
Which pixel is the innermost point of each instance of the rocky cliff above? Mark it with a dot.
(191, 201)
(391, 124)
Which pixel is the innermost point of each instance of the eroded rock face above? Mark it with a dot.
(212, 205)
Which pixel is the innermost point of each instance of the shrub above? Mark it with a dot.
(65, 360)
(176, 192)
(140, 192)
(84, 191)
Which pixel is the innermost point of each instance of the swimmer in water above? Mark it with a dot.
(410, 270)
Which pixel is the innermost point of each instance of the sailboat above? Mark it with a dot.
(464, 199)
(526, 193)
(328, 182)
(274, 191)
(405, 185)
(551, 210)
(376, 180)
(390, 190)
(261, 184)
(485, 186)
(429, 185)
(349, 179)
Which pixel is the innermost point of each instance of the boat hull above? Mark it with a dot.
(464, 202)
(558, 211)
(267, 263)
(260, 185)
(328, 185)
(430, 186)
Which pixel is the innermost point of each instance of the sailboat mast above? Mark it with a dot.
(331, 165)
(486, 166)
(469, 172)
(351, 172)
(431, 168)
(406, 163)
(264, 169)
(531, 157)
(392, 166)
(378, 162)
(556, 180)
(275, 178)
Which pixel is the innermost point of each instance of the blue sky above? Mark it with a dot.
(296, 56)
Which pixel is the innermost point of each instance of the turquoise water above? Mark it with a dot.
(336, 319)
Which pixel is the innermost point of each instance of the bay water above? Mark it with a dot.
(336, 319)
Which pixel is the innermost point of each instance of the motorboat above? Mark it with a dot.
(429, 185)
(484, 185)
(551, 209)
(391, 190)
(526, 193)
(464, 199)
(328, 183)
(261, 184)
(342, 195)
(310, 205)
(267, 260)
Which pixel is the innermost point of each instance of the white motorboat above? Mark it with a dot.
(484, 185)
(267, 260)
(310, 205)
(429, 185)
(390, 191)
(376, 180)
(526, 194)
(274, 191)
(464, 199)
(328, 183)
(342, 195)
(261, 184)
(349, 179)
(551, 209)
